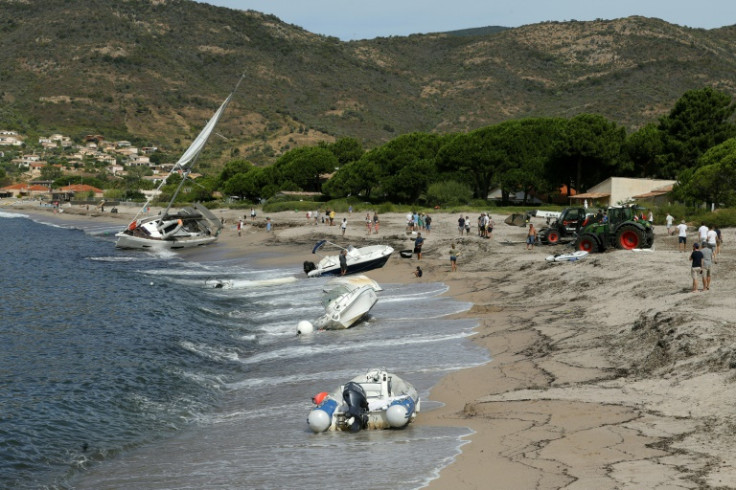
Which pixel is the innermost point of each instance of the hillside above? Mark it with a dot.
(153, 70)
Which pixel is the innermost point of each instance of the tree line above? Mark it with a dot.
(695, 143)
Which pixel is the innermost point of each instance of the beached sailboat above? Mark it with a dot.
(192, 226)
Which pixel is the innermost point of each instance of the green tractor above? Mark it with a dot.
(625, 227)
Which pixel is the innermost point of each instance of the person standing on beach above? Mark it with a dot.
(428, 223)
(368, 223)
(343, 262)
(418, 242)
(696, 267)
(268, 224)
(453, 258)
(332, 217)
(344, 226)
(461, 224)
(240, 226)
(682, 235)
(375, 223)
(252, 214)
(707, 266)
(668, 222)
(531, 237)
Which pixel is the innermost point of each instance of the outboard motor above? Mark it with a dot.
(355, 398)
(309, 266)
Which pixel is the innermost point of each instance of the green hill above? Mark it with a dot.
(152, 71)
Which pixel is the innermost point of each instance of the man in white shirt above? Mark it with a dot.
(682, 235)
(668, 222)
(703, 233)
(712, 240)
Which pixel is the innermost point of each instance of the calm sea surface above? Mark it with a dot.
(123, 369)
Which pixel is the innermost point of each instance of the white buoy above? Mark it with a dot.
(318, 420)
(304, 327)
(397, 416)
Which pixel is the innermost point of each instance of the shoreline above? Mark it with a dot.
(606, 373)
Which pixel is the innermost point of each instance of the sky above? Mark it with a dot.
(368, 19)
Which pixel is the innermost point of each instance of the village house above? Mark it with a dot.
(80, 189)
(10, 138)
(619, 190)
(26, 190)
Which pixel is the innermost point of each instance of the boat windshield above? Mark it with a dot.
(333, 294)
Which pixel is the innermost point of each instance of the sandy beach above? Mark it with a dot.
(606, 373)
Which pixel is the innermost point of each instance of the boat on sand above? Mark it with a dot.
(358, 259)
(376, 399)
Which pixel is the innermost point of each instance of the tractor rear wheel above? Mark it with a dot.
(629, 237)
(588, 243)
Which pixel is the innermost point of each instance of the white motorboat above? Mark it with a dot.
(347, 299)
(374, 400)
(358, 259)
(189, 227)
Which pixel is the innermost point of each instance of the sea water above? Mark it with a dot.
(125, 369)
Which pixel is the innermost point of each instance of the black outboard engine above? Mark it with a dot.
(355, 398)
(309, 266)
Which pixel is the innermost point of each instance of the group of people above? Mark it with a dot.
(704, 253)
(418, 221)
(371, 224)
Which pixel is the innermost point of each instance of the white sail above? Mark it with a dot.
(198, 144)
(190, 155)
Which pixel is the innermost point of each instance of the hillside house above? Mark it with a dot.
(10, 138)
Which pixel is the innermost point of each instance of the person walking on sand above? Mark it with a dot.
(344, 226)
(428, 223)
(696, 267)
(252, 214)
(368, 223)
(708, 255)
(703, 233)
(682, 235)
(668, 222)
(375, 223)
(531, 237)
(240, 226)
(453, 258)
(418, 242)
(461, 224)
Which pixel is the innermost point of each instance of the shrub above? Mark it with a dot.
(448, 193)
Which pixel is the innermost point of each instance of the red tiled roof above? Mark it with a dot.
(80, 188)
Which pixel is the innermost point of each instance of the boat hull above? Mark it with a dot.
(367, 258)
(348, 309)
(140, 243)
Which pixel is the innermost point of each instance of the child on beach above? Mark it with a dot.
(453, 258)
(344, 225)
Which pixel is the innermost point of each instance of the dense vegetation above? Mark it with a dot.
(695, 143)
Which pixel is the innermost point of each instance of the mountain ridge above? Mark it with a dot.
(153, 71)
